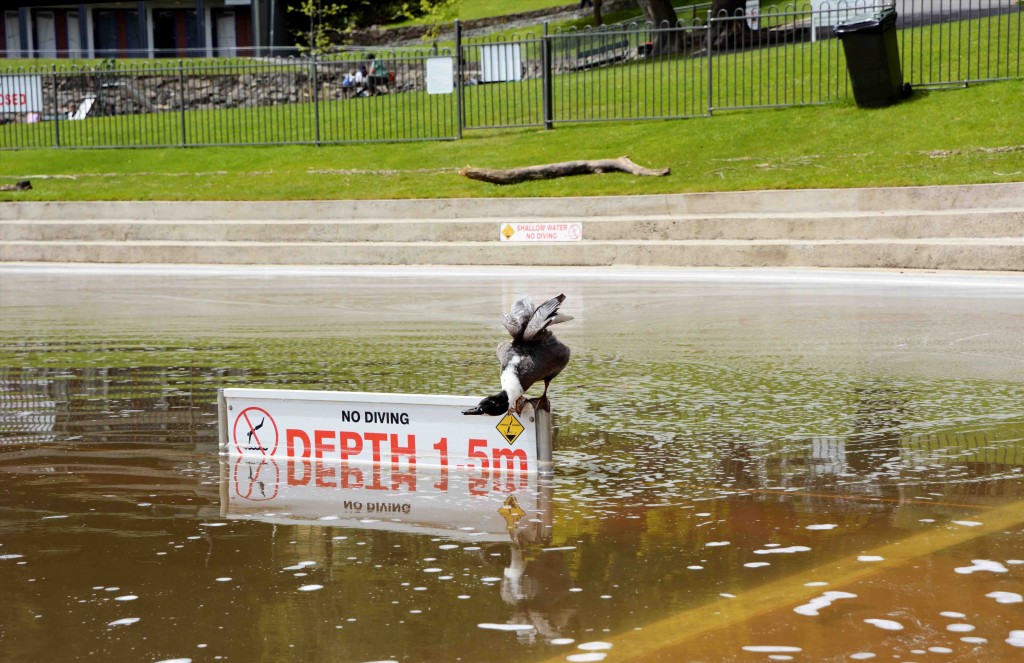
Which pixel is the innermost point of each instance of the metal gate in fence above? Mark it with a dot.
(621, 72)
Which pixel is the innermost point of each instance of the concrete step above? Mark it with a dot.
(796, 226)
(924, 198)
(998, 254)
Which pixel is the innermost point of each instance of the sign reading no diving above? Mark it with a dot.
(255, 431)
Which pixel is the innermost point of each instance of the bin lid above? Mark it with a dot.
(867, 21)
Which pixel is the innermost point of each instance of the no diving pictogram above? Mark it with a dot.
(255, 431)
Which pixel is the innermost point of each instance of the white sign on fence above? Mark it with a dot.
(400, 430)
(440, 75)
(541, 232)
(500, 63)
(21, 94)
(753, 14)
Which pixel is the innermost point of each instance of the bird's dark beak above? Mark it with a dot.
(492, 405)
(473, 410)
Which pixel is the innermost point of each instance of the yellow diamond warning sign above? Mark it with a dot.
(510, 428)
(508, 231)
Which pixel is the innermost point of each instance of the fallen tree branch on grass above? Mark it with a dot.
(564, 169)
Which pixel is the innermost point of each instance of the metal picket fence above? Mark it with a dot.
(707, 64)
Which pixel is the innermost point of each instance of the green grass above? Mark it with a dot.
(939, 137)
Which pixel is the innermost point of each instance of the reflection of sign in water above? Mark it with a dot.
(408, 429)
(510, 428)
(256, 480)
(472, 504)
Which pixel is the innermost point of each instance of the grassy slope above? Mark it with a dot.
(837, 145)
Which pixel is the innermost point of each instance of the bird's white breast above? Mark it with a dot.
(510, 381)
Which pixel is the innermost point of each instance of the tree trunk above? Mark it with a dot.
(728, 34)
(564, 169)
(598, 19)
(661, 15)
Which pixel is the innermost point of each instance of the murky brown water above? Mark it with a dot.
(747, 469)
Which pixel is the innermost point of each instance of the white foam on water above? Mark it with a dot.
(432, 569)
(825, 600)
(755, 565)
(127, 621)
(490, 579)
(11, 556)
(596, 645)
(954, 615)
(176, 660)
(780, 657)
(974, 640)
(1015, 561)
(727, 596)
(885, 624)
(224, 579)
(982, 565)
(1016, 638)
(862, 656)
(506, 627)
(448, 546)
(940, 650)
(960, 628)
(310, 588)
(126, 597)
(562, 641)
(816, 583)
(1005, 597)
(586, 658)
(463, 596)
(716, 544)
(53, 517)
(822, 526)
(771, 649)
(870, 558)
(784, 551)
(968, 523)
(212, 524)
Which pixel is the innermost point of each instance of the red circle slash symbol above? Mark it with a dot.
(255, 431)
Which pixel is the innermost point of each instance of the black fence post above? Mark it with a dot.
(707, 49)
(316, 100)
(181, 94)
(56, 107)
(547, 80)
(460, 119)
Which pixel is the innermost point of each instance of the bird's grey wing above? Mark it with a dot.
(512, 324)
(504, 354)
(542, 317)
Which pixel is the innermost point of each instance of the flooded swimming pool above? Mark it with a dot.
(749, 466)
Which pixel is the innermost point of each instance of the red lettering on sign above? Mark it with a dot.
(510, 456)
(442, 448)
(478, 453)
(375, 439)
(320, 444)
(291, 435)
(408, 450)
(351, 444)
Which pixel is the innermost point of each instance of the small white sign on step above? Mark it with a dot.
(541, 232)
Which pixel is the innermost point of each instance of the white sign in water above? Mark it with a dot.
(410, 430)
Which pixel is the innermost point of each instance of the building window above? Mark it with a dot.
(116, 33)
(176, 33)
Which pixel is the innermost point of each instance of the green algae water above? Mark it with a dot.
(749, 466)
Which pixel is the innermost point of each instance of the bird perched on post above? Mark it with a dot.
(533, 354)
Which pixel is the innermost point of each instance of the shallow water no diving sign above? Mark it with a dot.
(395, 429)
